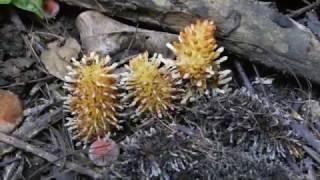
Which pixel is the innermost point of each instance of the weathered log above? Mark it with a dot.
(245, 27)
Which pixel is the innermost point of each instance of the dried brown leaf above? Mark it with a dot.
(56, 59)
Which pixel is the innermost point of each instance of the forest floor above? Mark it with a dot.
(269, 129)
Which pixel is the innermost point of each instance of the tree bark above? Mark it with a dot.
(246, 28)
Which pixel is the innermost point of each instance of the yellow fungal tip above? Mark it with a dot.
(93, 98)
(151, 85)
(197, 54)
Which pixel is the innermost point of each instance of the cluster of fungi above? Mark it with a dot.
(152, 86)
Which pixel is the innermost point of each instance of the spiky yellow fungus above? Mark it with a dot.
(93, 99)
(197, 56)
(152, 85)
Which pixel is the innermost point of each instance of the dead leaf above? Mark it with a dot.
(56, 59)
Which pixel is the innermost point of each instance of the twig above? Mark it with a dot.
(259, 77)
(13, 170)
(314, 155)
(61, 38)
(46, 78)
(307, 2)
(37, 109)
(131, 42)
(304, 9)
(311, 173)
(303, 132)
(30, 129)
(18, 23)
(47, 156)
(243, 76)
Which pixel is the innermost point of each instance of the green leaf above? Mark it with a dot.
(5, 1)
(34, 6)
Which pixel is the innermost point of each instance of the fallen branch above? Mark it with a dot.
(304, 9)
(246, 28)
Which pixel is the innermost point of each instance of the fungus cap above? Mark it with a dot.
(103, 151)
(51, 8)
(11, 111)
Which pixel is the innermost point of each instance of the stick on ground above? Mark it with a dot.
(246, 28)
(47, 156)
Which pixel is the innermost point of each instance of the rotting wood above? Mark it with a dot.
(246, 28)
